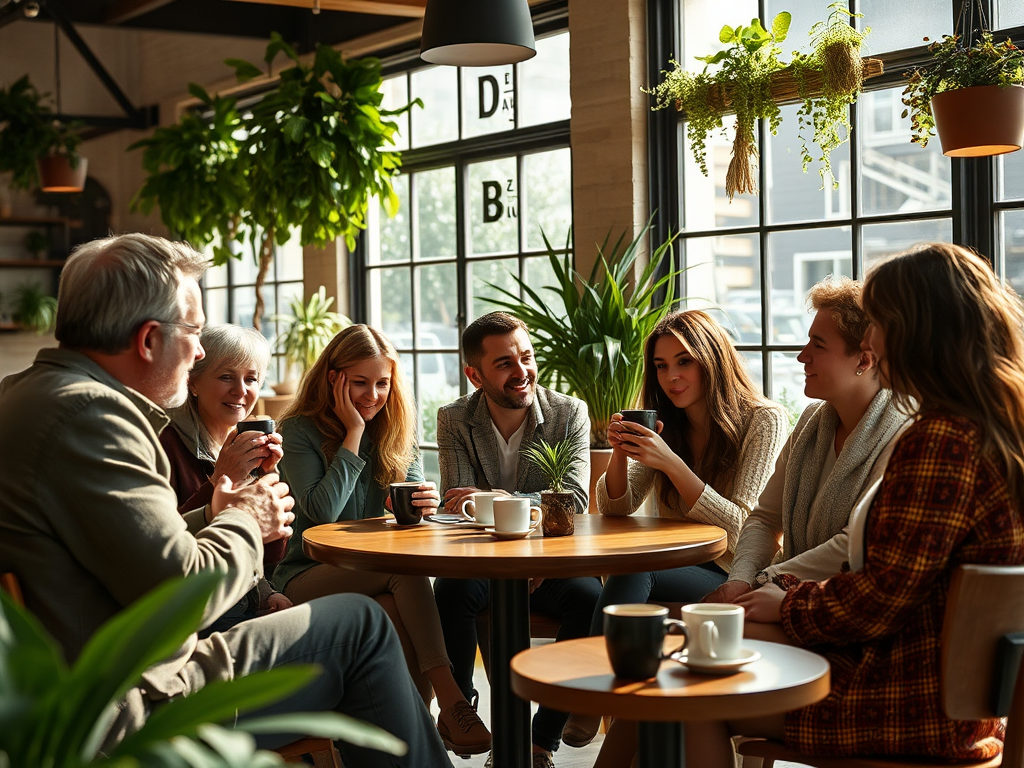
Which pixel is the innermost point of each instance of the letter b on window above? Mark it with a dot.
(493, 208)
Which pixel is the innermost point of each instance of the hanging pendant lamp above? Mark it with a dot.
(477, 33)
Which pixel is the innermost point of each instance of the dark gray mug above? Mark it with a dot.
(648, 419)
(634, 635)
(401, 503)
(263, 424)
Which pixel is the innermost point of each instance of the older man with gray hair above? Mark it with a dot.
(89, 523)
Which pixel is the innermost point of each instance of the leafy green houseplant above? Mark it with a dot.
(309, 156)
(29, 133)
(56, 716)
(34, 308)
(749, 78)
(589, 332)
(558, 505)
(308, 329)
(37, 244)
(989, 73)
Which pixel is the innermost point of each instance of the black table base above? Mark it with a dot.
(510, 715)
(662, 745)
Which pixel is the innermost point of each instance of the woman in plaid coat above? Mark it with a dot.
(948, 335)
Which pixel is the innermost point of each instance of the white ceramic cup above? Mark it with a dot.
(481, 509)
(714, 631)
(514, 514)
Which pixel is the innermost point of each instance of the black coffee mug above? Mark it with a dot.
(648, 419)
(401, 503)
(634, 635)
(262, 424)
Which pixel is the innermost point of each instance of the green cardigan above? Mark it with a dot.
(326, 492)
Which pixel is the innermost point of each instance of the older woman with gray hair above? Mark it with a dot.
(203, 444)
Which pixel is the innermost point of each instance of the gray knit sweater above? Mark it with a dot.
(763, 435)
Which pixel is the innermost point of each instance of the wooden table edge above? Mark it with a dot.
(671, 708)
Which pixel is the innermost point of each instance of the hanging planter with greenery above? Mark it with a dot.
(973, 94)
(310, 155)
(750, 79)
(30, 132)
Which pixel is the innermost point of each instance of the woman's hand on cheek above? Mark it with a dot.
(344, 408)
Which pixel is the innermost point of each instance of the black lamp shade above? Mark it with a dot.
(477, 33)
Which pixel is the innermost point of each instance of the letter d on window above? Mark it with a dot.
(487, 83)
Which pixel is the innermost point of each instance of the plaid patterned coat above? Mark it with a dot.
(941, 503)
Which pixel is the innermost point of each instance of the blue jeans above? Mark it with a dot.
(364, 674)
(677, 585)
(571, 601)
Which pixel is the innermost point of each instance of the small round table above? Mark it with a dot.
(600, 545)
(576, 676)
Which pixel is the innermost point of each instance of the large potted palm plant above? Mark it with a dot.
(589, 332)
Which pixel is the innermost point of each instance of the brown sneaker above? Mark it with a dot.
(580, 730)
(462, 731)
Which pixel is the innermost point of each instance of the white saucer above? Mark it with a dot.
(717, 666)
(509, 535)
(481, 526)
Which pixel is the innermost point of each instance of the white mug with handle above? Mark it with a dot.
(481, 506)
(515, 514)
(714, 630)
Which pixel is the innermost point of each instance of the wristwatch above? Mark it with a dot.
(762, 578)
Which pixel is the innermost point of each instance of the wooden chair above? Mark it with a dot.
(982, 640)
(321, 750)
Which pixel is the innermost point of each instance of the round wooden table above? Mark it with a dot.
(576, 676)
(600, 545)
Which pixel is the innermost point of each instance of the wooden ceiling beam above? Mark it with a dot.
(412, 9)
(123, 10)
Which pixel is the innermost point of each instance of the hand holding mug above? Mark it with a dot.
(241, 454)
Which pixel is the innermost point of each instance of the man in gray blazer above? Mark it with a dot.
(89, 522)
(478, 438)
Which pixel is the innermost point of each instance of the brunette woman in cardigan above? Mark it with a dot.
(203, 444)
(708, 460)
(947, 335)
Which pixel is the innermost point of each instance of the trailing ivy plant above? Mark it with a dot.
(310, 155)
(956, 65)
(829, 79)
(743, 78)
(28, 131)
(752, 81)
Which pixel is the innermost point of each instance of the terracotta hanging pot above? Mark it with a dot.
(980, 121)
(57, 175)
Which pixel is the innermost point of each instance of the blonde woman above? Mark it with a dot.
(348, 436)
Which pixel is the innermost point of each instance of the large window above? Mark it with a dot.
(486, 171)
(229, 293)
(753, 259)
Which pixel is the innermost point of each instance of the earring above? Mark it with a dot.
(860, 372)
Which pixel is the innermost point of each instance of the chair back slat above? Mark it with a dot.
(9, 584)
(985, 602)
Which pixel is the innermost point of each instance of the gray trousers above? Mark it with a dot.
(364, 674)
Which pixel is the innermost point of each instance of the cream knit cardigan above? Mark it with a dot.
(763, 435)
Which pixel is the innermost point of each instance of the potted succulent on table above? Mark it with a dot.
(36, 148)
(307, 330)
(973, 93)
(557, 505)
